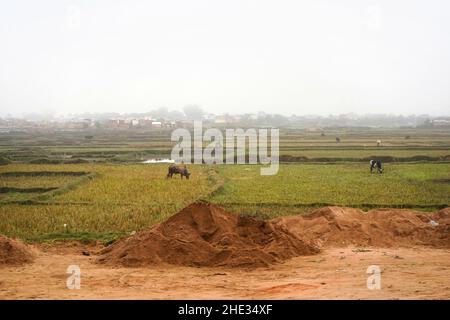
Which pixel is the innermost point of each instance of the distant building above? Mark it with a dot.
(112, 124)
(440, 122)
(145, 123)
(220, 120)
(118, 124)
(170, 124)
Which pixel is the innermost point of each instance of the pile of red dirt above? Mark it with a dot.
(13, 252)
(205, 235)
(337, 226)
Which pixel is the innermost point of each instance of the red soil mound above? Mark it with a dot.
(205, 235)
(336, 226)
(13, 252)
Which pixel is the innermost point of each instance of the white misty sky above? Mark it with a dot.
(303, 57)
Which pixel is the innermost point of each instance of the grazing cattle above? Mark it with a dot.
(181, 170)
(377, 164)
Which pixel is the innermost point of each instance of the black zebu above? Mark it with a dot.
(181, 170)
(377, 164)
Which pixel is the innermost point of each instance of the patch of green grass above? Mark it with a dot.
(33, 186)
(4, 161)
(118, 199)
(114, 198)
(84, 237)
(304, 186)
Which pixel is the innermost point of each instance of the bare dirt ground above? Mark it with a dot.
(335, 273)
(204, 252)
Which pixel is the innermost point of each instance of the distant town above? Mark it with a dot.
(162, 118)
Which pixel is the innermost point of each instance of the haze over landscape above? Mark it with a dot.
(244, 151)
(302, 57)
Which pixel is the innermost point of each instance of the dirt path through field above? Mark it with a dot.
(335, 273)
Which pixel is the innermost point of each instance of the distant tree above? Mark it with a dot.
(338, 139)
(278, 120)
(246, 119)
(161, 112)
(427, 123)
(175, 115)
(193, 112)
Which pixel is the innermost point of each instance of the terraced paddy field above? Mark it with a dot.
(107, 201)
(296, 145)
(299, 188)
(95, 184)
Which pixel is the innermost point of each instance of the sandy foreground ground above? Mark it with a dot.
(336, 273)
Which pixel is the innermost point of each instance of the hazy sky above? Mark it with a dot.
(303, 57)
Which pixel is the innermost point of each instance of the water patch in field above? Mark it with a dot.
(154, 161)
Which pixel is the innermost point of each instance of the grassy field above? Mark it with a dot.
(109, 201)
(116, 199)
(296, 145)
(301, 187)
(100, 190)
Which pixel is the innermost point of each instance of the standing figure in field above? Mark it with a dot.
(181, 170)
(377, 164)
